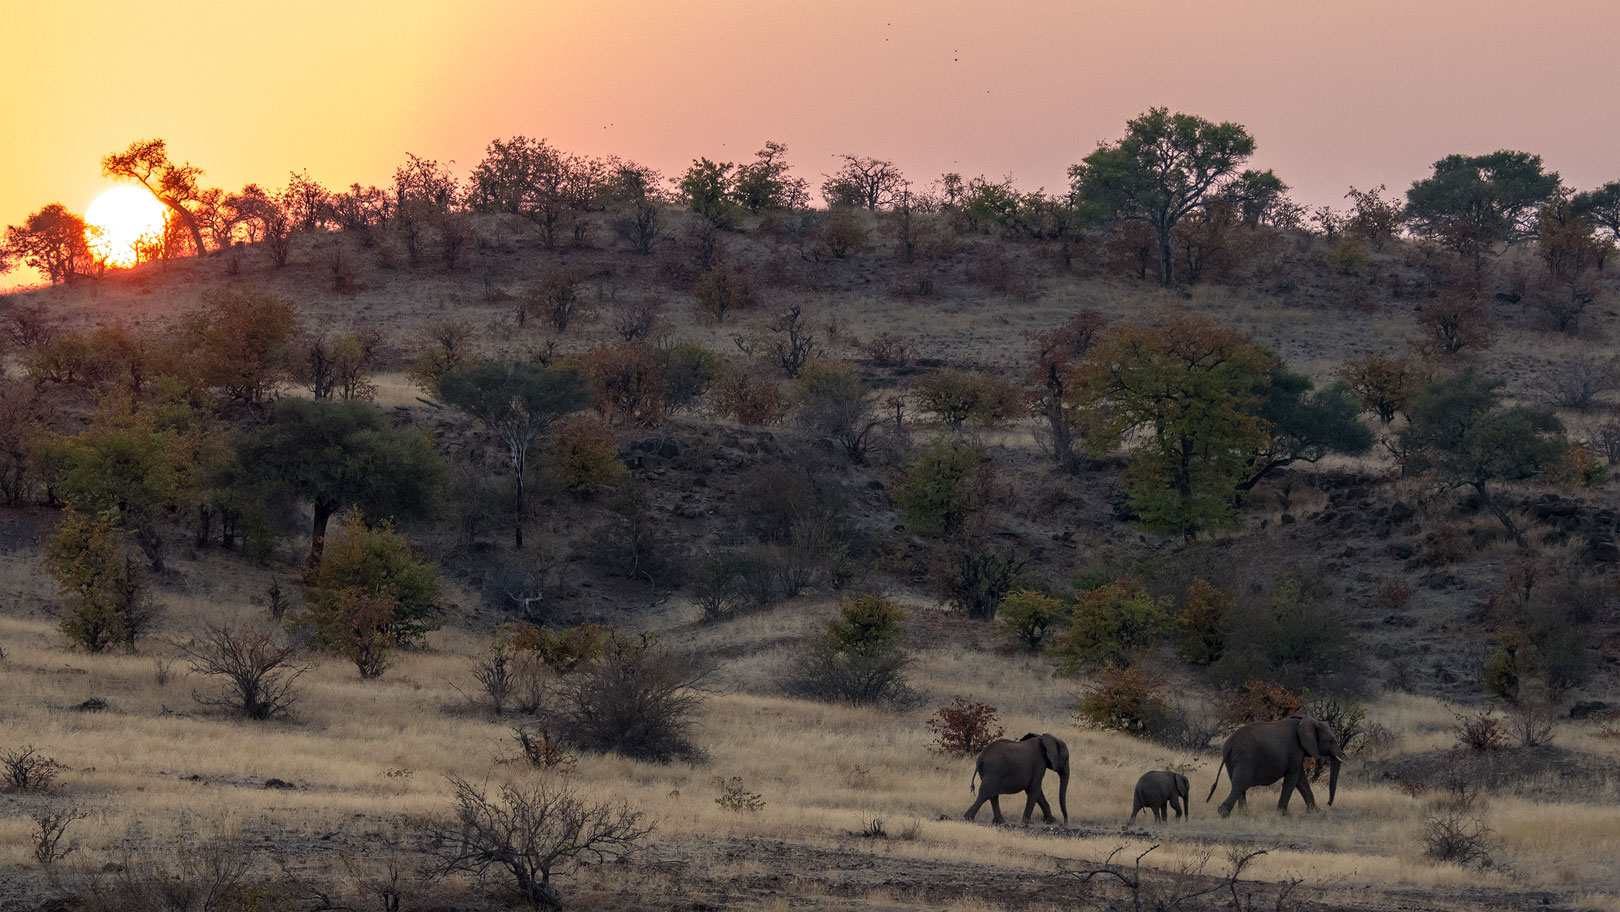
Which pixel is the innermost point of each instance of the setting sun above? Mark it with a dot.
(121, 221)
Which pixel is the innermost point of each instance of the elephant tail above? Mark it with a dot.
(974, 776)
(1217, 780)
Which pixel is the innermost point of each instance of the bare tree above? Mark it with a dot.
(871, 183)
(256, 663)
(531, 834)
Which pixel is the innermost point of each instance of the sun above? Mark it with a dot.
(122, 222)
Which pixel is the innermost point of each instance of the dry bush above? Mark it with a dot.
(542, 750)
(1451, 543)
(1125, 700)
(530, 834)
(749, 398)
(637, 700)
(585, 455)
(858, 659)
(1452, 837)
(1576, 383)
(1259, 701)
(1480, 732)
(963, 728)
(1532, 723)
(736, 797)
(257, 666)
(193, 874)
(721, 290)
(50, 828)
(27, 770)
(638, 318)
(1392, 596)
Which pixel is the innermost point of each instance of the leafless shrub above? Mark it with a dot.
(496, 678)
(50, 827)
(257, 666)
(1452, 837)
(382, 873)
(1174, 892)
(531, 834)
(194, 874)
(1577, 382)
(162, 670)
(637, 700)
(1531, 723)
(1480, 732)
(27, 770)
(638, 318)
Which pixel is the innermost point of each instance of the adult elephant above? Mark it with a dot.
(1009, 767)
(1260, 753)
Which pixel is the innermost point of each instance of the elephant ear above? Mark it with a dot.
(1029, 736)
(1051, 747)
(1307, 736)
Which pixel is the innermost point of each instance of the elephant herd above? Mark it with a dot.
(1258, 754)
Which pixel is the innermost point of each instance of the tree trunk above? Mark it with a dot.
(1167, 258)
(1500, 514)
(517, 528)
(317, 535)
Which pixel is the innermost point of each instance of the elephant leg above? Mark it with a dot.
(1158, 814)
(1238, 798)
(1305, 792)
(1136, 808)
(974, 810)
(1290, 781)
(1039, 797)
(1029, 806)
(1176, 804)
(995, 808)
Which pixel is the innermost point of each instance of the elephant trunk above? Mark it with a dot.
(1063, 793)
(1333, 776)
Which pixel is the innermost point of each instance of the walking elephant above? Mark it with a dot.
(1260, 753)
(1157, 789)
(1009, 767)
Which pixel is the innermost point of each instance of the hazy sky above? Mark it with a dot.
(1336, 93)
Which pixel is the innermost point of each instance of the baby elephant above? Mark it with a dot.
(1156, 789)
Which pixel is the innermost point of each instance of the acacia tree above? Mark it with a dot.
(870, 183)
(146, 161)
(1474, 201)
(1166, 167)
(1461, 435)
(51, 240)
(1186, 394)
(518, 403)
(530, 178)
(1304, 424)
(337, 454)
(1602, 207)
(763, 184)
(1569, 249)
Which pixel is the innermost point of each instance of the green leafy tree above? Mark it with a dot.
(109, 599)
(1304, 425)
(764, 184)
(707, 188)
(333, 455)
(1187, 394)
(1474, 201)
(858, 658)
(1166, 167)
(1110, 627)
(955, 397)
(937, 495)
(1602, 207)
(518, 403)
(1461, 435)
(1027, 617)
(369, 594)
(1382, 385)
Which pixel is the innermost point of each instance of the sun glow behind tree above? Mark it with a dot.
(123, 224)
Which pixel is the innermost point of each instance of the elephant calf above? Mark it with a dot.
(1157, 789)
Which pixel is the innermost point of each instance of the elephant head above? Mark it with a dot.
(1056, 756)
(1318, 741)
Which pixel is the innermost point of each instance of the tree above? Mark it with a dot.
(633, 193)
(22, 429)
(955, 397)
(626, 381)
(764, 184)
(369, 594)
(1057, 351)
(1167, 166)
(268, 218)
(835, 402)
(1304, 426)
(1373, 218)
(1460, 434)
(1456, 320)
(111, 602)
(239, 345)
(869, 183)
(1570, 250)
(707, 189)
(938, 494)
(1186, 394)
(258, 666)
(52, 240)
(859, 658)
(530, 178)
(1602, 207)
(339, 454)
(1474, 201)
(146, 161)
(518, 403)
(1382, 385)
(1110, 626)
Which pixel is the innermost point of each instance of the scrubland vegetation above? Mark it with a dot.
(563, 535)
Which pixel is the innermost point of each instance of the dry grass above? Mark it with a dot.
(361, 753)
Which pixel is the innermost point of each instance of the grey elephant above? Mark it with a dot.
(1261, 753)
(1157, 789)
(1009, 767)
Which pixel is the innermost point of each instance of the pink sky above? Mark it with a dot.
(1362, 92)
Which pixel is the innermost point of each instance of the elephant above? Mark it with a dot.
(1260, 753)
(1157, 789)
(1008, 767)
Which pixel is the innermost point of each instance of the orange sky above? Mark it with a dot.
(1360, 92)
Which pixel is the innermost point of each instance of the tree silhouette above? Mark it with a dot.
(146, 161)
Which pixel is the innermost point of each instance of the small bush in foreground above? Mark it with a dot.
(1454, 838)
(256, 664)
(637, 700)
